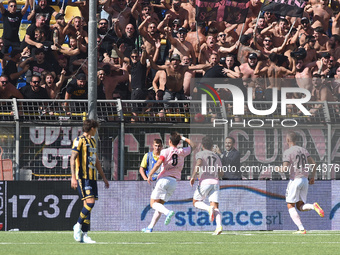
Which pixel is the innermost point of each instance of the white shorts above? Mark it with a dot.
(208, 190)
(297, 190)
(164, 188)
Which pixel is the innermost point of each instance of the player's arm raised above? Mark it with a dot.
(191, 143)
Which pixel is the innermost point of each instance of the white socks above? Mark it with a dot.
(201, 205)
(307, 207)
(218, 217)
(161, 208)
(154, 219)
(296, 218)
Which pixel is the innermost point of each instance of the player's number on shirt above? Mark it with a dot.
(302, 160)
(211, 160)
(174, 159)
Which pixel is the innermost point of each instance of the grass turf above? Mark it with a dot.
(229, 242)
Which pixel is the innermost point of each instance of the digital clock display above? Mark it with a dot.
(38, 205)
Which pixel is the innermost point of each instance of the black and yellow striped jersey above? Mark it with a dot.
(86, 159)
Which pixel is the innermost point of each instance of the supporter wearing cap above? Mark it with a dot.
(180, 46)
(77, 88)
(11, 23)
(58, 28)
(247, 69)
(176, 24)
(306, 30)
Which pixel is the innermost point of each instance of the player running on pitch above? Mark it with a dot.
(209, 166)
(172, 159)
(298, 160)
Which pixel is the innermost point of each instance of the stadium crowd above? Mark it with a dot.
(152, 50)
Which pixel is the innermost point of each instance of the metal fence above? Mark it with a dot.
(37, 135)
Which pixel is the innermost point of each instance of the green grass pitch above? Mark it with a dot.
(229, 242)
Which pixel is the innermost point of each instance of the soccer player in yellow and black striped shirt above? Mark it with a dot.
(84, 166)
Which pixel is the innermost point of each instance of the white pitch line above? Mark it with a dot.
(179, 243)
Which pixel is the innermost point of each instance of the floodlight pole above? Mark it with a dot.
(92, 61)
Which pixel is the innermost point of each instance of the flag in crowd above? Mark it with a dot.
(293, 8)
(231, 11)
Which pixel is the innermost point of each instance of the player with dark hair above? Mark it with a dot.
(150, 159)
(209, 166)
(84, 166)
(298, 160)
(172, 161)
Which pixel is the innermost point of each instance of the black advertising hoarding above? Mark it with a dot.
(40, 205)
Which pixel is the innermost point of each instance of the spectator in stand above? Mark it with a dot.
(43, 9)
(58, 28)
(34, 90)
(138, 79)
(37, 65)
(193, 35)
(178, 12)
(321, 14)
(306, 30)
(83, 8)
(208, 48)
(11, 24)
(100, 84)
(11, 68)
(322, 64)
(180, 46)
(106, 35)
(216, 71)
(143, 9)
(7, 90)
(128, 38)
(150, 37)
(321, 39)
(310, 50)
(52, 87)
(75, 28)
(30, 32)
(118, 9)
(321, 92)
